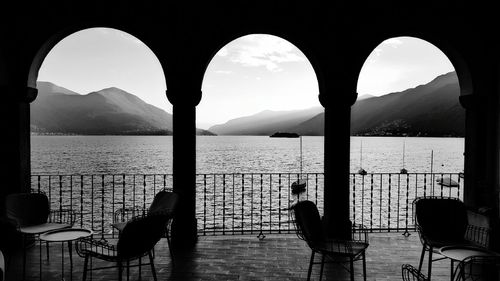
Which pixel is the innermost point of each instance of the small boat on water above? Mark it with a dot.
(284, 135)
(361, 171)
(403, 170)
(447, 182)
(299, 186)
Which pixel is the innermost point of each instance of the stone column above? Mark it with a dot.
(336, 165)
(184, 228)
(480, 146)
(16, 148)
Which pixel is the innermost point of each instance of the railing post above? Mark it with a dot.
(242, 203)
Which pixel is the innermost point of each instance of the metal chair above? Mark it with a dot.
(31, 214)
(164, 202)
(2, 267)
(309, 228)
(410, 273)
(137, 239)
(474, 268)
(484, 268)
(440, 222)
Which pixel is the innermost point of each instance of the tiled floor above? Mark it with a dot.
(277, 257)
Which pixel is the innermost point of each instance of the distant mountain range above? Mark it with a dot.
(432, 109)
(267, 122)
(110, 111)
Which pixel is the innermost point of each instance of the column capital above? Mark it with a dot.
(186, 97)
(337, 99)
(23, 94)
(469, 101)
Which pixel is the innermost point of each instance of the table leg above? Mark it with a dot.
(70, 249)
(62, 260)
(451, 270)
(40, 248)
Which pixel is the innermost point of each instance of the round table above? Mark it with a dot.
(66, 235)
(461, 252)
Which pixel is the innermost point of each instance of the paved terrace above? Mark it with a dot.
(277, 257)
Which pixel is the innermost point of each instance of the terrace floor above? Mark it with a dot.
(277, 257)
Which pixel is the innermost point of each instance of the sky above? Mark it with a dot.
(250, 74)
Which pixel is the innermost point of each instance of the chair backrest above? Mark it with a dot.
(308, 222)
(441, 219)
(164, 202)
(140, 235)
(2, 267)
(410, 273)
(27, 208)
(484, 268)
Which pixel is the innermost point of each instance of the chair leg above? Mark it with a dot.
(310, 266)
(364, 266)
(430, 265)
(451, 269)
(170, 249)
(351, 262)
(128, 270)
(70, 251)
(85, 264)
(24, 257)
(151, 261)
(40, 256)
(140, 268)
(47, 250)
(120, 270)
(322, 266)
(421, 259)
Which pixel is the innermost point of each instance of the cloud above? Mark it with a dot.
(222, 52)
(224, 71)
(382, 48)
(262, 50)
(393, 42)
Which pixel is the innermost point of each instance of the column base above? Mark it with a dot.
(184, 233)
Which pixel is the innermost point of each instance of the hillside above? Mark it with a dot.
(266, 122)
(110, 111)
(432, 109)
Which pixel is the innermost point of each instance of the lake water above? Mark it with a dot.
(244, 185)
(238, 154)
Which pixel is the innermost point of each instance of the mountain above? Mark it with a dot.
(266, 122)
(364, 97)
(432, 109)
(110, 111)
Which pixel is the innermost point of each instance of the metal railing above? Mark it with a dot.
(251, 203)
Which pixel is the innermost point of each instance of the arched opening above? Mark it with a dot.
(255, 87)
(407, 129)
(101, 127)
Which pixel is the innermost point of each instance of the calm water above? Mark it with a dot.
(237, 154)
(239, 201)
